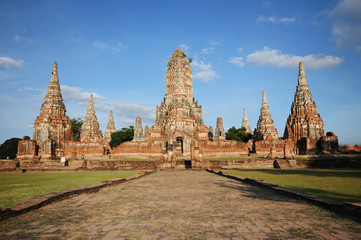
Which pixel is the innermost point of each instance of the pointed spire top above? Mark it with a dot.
(264, 99)
(178, 52)
(110, 128)
(54, 74)
(264, 108)
(91, 104)
(301, 75)
(301, 66)
(55, 67)
(111, 119)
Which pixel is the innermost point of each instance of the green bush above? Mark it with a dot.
(120, 136)
(239, 134)
(9, 148)
(76, 124)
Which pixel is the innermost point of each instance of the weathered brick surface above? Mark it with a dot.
(180, 205)
(90, 129)
(110, 128)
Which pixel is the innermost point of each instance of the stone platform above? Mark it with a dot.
(180, 205)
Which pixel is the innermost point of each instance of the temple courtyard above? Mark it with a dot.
(180, 205)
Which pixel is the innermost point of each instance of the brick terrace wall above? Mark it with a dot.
(154, 147)
(244, 163)
(223, 148)
(7, 165)
(263, 147)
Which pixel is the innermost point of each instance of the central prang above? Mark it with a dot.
(179, 117)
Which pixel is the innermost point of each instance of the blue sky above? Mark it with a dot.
(118, 50)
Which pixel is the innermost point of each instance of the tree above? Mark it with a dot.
(9, 148)
(239, 134)
(120, 136)
(76, 124)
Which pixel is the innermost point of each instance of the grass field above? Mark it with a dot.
(339, 184)
(18, 187)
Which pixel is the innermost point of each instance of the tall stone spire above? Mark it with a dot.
(304, 120)
(178, 108)
(90, 129)
(245, 123)
(301, 75)
(178, 83)
(53, 123)
(138, 130)
(110, 128)
(265, 126)
(219, 131)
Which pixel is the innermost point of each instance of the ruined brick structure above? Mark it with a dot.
(219, 131)
(304, 125)
(53, 135)
(265, 126)
(110, 128)
(178, 133)
(245, 123)
(138, 130)
(265, 137)
(90, 129)
(52, 127)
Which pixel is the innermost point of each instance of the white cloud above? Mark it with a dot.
(207, 50)
(105, 46)
(276, 58)
(120, 45)
(238, 61)
(184, 47)
(346, 27)
(203, 71)
(7, 63)
(275, 20)
(100, 45)
(77, 100)
(76, 94)
(16, 38)
(212, 42)
(128, 110)
(266, 3)
(30, 89)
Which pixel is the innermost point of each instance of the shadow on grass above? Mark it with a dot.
(341, 197)
(353, 173)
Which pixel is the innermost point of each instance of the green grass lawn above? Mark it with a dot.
(338, 184)
(18, 187)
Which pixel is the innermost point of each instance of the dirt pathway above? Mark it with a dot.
(180, 205)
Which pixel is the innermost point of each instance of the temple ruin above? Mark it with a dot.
(179, 133)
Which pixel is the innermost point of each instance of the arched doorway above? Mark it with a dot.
(179, 144)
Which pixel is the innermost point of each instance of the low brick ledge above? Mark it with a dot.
(43, 200)
(348, 209)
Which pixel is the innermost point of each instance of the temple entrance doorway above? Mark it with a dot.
(179, 147)
(188, 164)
